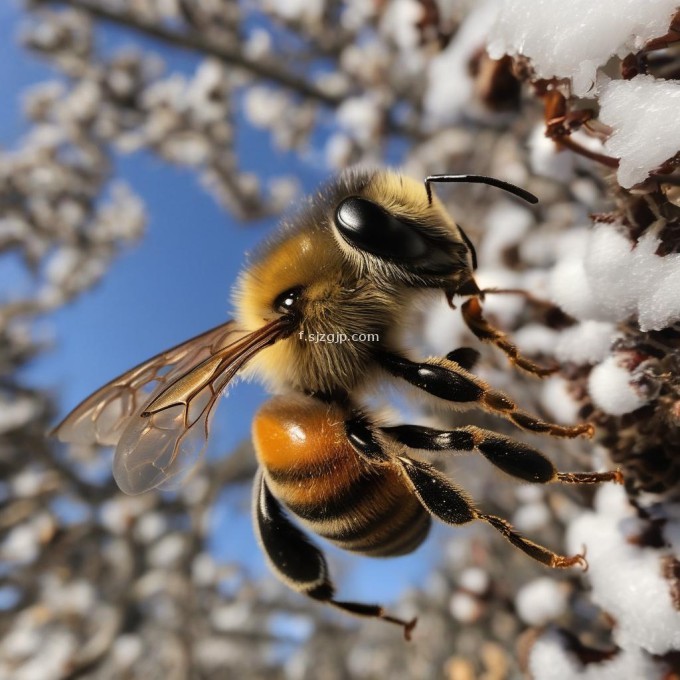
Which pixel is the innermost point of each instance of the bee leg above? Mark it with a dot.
(465, 357)
(298, 563)
(450, 504)
(472, 315)
(514, 458)
(447, 380)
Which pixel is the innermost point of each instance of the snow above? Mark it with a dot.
(400, 21)
(474, 580)
(168, 551)
(28, 482)
(626, 579)
(505, 225)
(258, 44)
(450, 86)
(541, 601)
(150, 527)
(549, 660)
(611, 390)
(464, 607)
(204, 570)
(587, 342)
(338, 151)
(264, 105)
(557, 400)
(127, 649)
(17, 413)
(591, 287)
(643, 113)
(304, 11)
(360, 117)
(531, 517)
(574, 39)
(546, 159)
(356, 13)
(233, 616)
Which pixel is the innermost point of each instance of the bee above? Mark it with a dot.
(348, 264)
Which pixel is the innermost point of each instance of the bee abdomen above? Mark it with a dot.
(312, 469)
(376, 514)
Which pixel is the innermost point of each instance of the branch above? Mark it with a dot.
(203, 44)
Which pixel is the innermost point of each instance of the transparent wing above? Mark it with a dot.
(157, 414)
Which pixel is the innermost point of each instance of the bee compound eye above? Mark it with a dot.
(287, 302)
(369, 227)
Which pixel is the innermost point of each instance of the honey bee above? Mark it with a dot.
(348, 265)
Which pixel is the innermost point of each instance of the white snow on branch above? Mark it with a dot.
(618, 280)
(550, 660)
(574, 39)
(541, 601)
(611, 389)
(585, 343)
(450, 84)
(643, 113)
(626, 578)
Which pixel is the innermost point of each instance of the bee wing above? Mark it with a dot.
(102, 417)
(160, 433)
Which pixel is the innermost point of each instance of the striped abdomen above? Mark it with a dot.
(310, 467)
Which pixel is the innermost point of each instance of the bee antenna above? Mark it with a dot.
(479, 179)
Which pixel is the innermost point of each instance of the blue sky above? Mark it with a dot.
(172, 285)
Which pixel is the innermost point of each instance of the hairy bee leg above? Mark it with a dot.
(465, 357)
(514, 458)
(447, 380)
(472, 315)
(450, 504)
(298, 563)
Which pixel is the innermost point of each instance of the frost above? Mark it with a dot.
(574, 39)
(643, 113)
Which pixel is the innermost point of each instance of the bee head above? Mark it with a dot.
(393, 228)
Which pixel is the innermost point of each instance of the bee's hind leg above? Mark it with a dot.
(450, 504)
(298, 563)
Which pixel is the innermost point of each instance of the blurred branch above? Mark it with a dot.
(203, 43)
